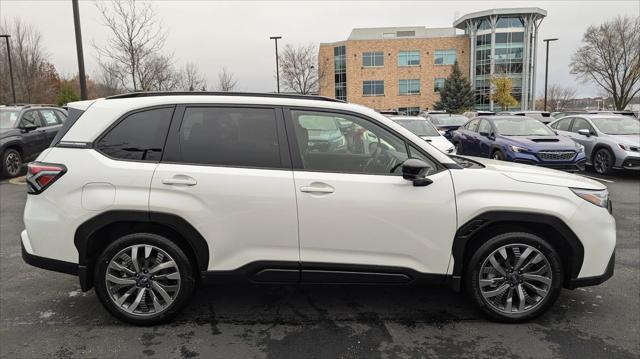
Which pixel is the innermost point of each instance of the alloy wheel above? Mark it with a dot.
(142, 280)
(13, 164)
(602, 161)
(515, 279)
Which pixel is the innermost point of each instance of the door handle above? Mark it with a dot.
(180, 181)
(317, 188)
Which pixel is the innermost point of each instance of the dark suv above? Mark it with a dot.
(25, 131)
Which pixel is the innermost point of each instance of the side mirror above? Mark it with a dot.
(27, 128)
(414, 170)
(483, 133)
(584, 132)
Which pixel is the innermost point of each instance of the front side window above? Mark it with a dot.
(484, 127)
(373, 88)
(373, 59)
(225, 136)
(581, 124)
(445, 57)
(472, 125)
(562, 125)
(409, 87)
(139, 136)
(29, 119)
(50, 117)
(342, 143)
(438, 84)
(618, 126)
(409, 58)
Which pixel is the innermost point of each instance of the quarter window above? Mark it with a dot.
(342, 143)
(438, 84)
(139, 136)
(373, 88)
(409, 87)
(373, 59)
(445, 57)
(243, 137)
(409, 58)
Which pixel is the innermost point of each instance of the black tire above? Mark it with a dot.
(458, 147)
(480, 256)
(11, 163)
(603, 161)
(184, 266)
(497, 155)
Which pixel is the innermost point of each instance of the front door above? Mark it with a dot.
(355, 211)
(226, 171)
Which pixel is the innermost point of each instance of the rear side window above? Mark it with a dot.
(50, 117)
(224, 136)
(139, 136)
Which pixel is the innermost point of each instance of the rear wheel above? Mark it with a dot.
(11, 163)
(514, 277)
(603, 161)
(144, 279)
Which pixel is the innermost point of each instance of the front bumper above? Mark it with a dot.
(595, 280)
(574, 165)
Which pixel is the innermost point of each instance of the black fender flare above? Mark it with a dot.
(483, 221)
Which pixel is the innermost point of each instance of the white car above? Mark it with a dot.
(425, 130)
(143, 196)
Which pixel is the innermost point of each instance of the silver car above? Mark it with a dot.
(610, 140)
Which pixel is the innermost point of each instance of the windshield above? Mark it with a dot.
(617, 125)
(522, 127)
(418, 127)
(8, 118)
(449, 120)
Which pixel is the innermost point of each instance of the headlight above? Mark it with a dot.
(598, 197)
(450, 149)
(518, 149)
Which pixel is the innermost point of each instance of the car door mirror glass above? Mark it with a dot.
(415, 170)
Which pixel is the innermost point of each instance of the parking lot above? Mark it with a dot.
(44, 314)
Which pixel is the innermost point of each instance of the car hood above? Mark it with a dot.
(438, 142)
(541, 175)
(633, 140)
(538, 143)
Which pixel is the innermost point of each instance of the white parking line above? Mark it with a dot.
(598, 179)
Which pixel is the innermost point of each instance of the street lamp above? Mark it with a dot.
(546, 72)
(276, 38)
(76, 25)
(13, 87)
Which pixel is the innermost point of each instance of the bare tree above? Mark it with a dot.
(298, 69)
(157, 74)
(136, 42)
(610, 56)
(191, 79)
(226, 80)
(108, 80)
(36, 80)
(559, 98)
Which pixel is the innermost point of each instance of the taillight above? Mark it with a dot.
(41, 175)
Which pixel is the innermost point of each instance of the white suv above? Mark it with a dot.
(143, 196)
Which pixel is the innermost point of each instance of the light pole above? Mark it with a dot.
(76, 24)
(546, 72)
(276, 38)
(13, 87)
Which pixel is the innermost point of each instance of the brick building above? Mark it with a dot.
(404, 67)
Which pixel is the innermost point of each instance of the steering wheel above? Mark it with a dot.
(381, 160)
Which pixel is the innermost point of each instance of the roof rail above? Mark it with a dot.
(39, 105)
(208, 93)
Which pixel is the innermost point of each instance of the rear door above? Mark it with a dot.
(226, 171)
(51, 123)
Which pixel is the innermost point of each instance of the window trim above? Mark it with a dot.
(94, 144)
(410, 93)
(400, 52)
(172, 152)
(374, 85)
(455, 53)
(373, 57)
(296, 158)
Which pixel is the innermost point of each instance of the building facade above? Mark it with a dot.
(404, 68)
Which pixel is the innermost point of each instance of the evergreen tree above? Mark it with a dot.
(456, 95)
(66, 94)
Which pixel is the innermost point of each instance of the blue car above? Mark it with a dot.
(518, 139)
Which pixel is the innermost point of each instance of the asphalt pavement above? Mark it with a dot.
(44, 314)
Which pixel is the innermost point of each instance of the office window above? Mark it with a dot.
(373, 59)
(409, 58)
(409, 87)
(373, 88)
(438, 84)
(505, 22)
(445, 57)
(340, 72)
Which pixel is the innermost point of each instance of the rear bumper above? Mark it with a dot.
(595, 280)
(48, 263)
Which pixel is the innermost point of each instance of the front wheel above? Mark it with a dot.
(497, 155)
(514, 277)
(603, 161)
(144, 279)
(11, 163)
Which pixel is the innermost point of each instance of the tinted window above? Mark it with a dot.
(139, 136)
(50, 117)
(562, 125)
(581, 124)
(30, 118)
(61, 115)
(244, 137)
(8, 118)
(485, 126)
(342, 143)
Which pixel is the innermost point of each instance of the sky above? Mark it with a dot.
(235, 34)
